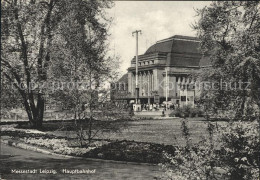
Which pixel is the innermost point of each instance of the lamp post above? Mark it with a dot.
(166, 87)
(136, 66)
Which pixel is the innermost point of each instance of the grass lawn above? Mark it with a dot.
(154, 131)
(160, 131)
(152, 138)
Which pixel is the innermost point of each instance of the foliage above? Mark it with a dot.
(62, 146)
(87, 68)
(241, 150)
(9, 97)
(103, 149)
(26, 26)
(187, 111)
(230, 37)
(228, 152)
(132, 151)
(41, 39)
(83, 127)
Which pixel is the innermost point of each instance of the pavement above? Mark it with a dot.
(154, 114)
(16, 163)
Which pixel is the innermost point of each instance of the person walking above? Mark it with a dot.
(163, 114)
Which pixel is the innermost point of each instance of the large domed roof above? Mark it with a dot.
(181, 51)
(176, 44)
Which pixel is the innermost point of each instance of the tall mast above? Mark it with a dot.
(136, 65)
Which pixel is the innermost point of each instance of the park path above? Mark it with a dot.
(15, 158)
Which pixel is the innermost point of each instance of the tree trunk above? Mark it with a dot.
(90, 128)
(35, 115)
(40, 111)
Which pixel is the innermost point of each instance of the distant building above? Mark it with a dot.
(172, 59)
(119, 90)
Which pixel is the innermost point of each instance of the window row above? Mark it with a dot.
(144, 63)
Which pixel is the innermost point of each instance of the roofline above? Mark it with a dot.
(205, 66)
(160, 66)
(173, 38)
(144, 56)
(187, 40)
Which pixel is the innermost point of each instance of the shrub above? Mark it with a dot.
(176, 113)
(186, 111)
(237, 159)
(240, 152)
(197, 112)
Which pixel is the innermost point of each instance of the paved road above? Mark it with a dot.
(15, 158)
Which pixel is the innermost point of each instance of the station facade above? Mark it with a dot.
(163, 73)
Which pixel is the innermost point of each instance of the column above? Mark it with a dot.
(140, 84)
(133, 85)
(148, 83)
(130, 76)
(155, 80)
(171, 85)
(185, 89)
(145, 84)
(152, 83)
(149, 86)
(166, 85)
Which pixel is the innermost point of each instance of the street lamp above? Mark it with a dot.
(136, 66)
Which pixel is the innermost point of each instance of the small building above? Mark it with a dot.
(163, 73)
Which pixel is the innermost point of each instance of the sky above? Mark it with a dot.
(156, 19)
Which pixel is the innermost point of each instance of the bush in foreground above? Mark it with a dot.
(230, 152)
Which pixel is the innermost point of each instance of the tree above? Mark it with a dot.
(230, 36)
(25, 57)
(33, 34)
(84, 65)
(10, 99)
